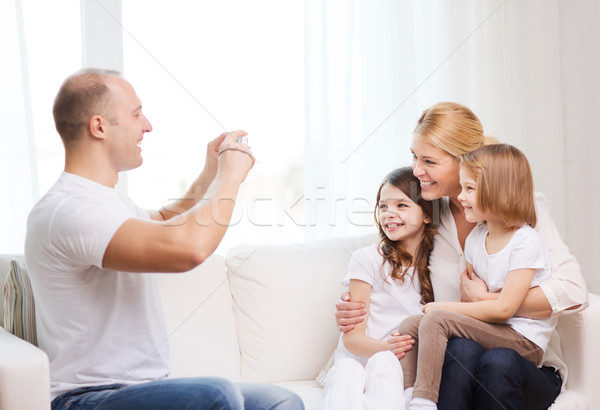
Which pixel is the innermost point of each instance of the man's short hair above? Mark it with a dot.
(81, 96)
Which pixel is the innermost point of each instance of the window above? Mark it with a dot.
(201, 68)
(37, 54)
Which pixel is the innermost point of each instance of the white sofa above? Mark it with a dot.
(266, 314)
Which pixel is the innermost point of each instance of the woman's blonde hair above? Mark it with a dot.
(453, 128)
(504, 183)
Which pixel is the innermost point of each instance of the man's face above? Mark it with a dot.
(126, 126)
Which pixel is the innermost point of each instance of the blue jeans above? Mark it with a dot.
(496, 379)
(177, 394)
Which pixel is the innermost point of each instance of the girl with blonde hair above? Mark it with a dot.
(509, 255)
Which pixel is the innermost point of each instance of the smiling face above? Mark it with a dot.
(126, 126)
(436, 169)
(400, 218)
(468, 197)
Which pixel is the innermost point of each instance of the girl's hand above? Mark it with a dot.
(348, 314)
(431, 306)
(472, 287)
(399, 344)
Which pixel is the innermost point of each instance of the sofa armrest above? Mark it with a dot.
(24, 374)
(591, 319)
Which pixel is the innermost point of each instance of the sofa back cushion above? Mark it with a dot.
(284, 302)
(199, 314)
(4, 270)
(19, 305)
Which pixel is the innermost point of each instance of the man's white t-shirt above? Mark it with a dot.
(392, 300)
(98, 326)
(525, 250)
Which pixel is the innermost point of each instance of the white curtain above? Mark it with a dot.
(528, 68)
(18, 176)
(373, 67)
(39, 55)
(580, 65)
(359, 115)
(183, 93)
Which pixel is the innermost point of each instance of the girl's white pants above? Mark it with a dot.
(378, 386)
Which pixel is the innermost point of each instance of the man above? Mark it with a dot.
(99, 318)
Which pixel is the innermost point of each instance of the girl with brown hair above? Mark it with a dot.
(392, 279)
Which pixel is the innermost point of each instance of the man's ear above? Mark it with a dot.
(97, 127)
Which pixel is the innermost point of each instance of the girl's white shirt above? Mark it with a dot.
(565, 289)
(524, 250)
(392, 300)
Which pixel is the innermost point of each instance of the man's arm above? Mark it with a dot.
(200, 186)
(185, 240)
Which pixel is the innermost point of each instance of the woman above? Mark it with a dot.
(498, 378)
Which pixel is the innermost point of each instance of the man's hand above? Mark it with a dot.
(472, 287)
(348, 314)
(212, 154)
(234, 160)
(399, 344)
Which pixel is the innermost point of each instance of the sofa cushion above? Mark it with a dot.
(19, 306)
(309, 391)
(199, 315)
(284, 303)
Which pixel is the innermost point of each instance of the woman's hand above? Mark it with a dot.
(399, 344)
(348, 314)
(472, 287)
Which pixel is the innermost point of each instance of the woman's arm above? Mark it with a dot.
(500, 309)
(356, 340)
(534, 306)
(348, 313)
(566, 291)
